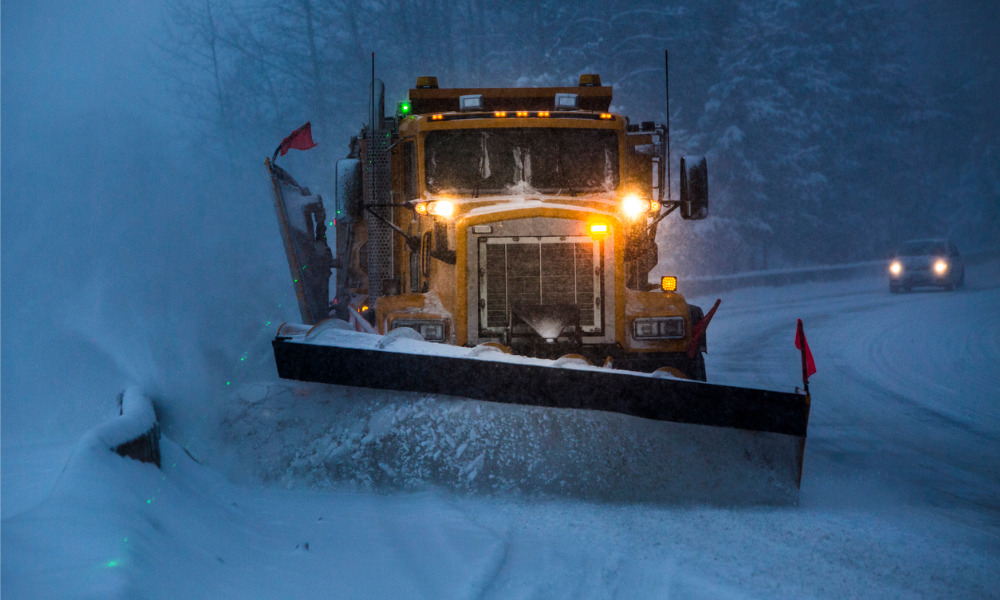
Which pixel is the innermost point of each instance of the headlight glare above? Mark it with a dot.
(441, 208)
(633, 206)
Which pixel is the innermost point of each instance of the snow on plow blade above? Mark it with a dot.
(716, 424)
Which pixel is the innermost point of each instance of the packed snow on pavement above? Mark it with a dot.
(899, 494)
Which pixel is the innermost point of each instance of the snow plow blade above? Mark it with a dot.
(625, 392)
(773, 423)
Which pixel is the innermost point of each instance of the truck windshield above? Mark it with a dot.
(538, 159)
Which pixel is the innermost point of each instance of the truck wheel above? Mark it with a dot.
(696, 314)
(679, 365)
(697, 371)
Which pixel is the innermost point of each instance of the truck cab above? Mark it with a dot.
(521, 218)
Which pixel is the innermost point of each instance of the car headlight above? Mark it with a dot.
(896, 267)
(940, 266)
(658, 328)
(429, 329)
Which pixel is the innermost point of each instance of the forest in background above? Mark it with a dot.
(833, 130)
(138, 238)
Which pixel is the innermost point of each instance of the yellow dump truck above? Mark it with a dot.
(518, 219)
(524, 217)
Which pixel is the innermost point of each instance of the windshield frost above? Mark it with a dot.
(499, 161)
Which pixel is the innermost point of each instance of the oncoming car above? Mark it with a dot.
(931, 262)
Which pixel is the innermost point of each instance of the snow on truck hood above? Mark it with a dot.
(337, 333)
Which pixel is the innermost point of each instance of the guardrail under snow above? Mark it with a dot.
(135, 433)
(720, 283)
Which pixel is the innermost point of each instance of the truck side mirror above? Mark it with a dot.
(694, 187)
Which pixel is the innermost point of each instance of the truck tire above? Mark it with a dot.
(696, 365)
(696, 314)
(697, 369)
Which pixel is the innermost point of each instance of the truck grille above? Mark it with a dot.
(544, 271)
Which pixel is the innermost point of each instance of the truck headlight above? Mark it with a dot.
(430, 329)
(658, 328)
(437, 208)
(441, 208)
(634, 207)
(940, 266)
(896, 268)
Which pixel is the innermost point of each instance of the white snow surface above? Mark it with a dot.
(900, 493)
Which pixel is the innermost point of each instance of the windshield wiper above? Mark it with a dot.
(561, 171)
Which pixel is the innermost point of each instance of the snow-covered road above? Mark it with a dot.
(900, 494)
(908, 396)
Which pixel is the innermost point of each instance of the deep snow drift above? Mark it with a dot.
(898, 499)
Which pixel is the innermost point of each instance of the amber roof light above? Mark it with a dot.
(427, 82)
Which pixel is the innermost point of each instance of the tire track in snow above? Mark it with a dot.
(907, 385)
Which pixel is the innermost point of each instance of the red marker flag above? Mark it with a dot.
(300, 139)
(699, 328)
(808, 364)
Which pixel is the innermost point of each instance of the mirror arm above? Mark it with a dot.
(670, 207)
(412, 241)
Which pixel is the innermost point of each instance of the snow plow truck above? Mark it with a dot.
(497, 244)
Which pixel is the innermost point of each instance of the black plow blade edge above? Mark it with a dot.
(660, 399)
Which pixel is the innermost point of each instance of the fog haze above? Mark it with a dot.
(138, 240)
